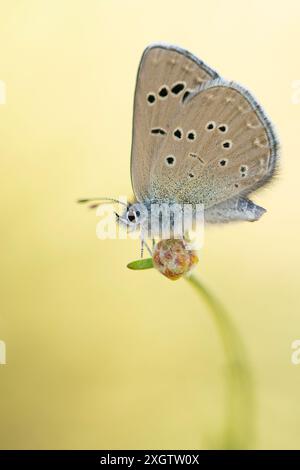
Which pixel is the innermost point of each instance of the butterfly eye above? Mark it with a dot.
(131, 217)
(210, 126)
(132, 214)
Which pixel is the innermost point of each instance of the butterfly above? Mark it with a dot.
(197, 139)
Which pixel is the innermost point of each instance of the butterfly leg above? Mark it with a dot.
(148, 248)
(144, 243)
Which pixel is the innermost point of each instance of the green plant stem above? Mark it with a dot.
(238, 430)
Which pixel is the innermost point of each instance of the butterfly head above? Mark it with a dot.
(133, 216)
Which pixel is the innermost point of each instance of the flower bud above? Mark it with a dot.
(173, 258)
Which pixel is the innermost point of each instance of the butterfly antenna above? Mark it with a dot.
(100, 200)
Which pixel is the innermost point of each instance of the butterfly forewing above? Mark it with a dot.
(167, 76)
(227, 147)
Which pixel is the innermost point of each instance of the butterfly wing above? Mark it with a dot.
(166, 77)
(226, 148)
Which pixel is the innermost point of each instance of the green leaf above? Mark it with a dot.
(141, 264)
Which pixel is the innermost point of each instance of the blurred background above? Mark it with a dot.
(99, 356)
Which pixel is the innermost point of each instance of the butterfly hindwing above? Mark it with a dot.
(166, 77)
(227, 147)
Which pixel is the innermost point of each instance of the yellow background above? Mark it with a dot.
(99, 356)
